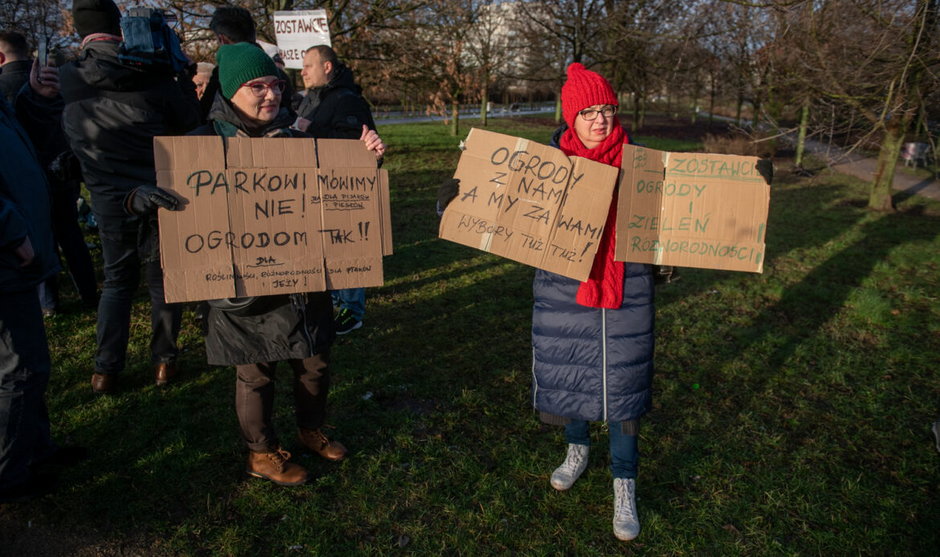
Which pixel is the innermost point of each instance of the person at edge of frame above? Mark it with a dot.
(41, 117)
(28, 455)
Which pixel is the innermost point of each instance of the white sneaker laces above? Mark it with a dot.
(575, 460)
(624, 505)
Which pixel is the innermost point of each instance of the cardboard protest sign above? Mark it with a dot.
(270, 216)
(692, 210)
(530, 203)
(296, 31)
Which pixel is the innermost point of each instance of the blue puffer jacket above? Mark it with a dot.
(589, 363)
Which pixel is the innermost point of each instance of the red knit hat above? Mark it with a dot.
(584, 88)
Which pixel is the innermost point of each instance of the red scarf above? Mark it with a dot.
(604, 286)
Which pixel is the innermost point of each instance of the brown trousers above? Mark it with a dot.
(254, 398)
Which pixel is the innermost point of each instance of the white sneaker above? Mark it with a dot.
(570, 470)
(626, 522)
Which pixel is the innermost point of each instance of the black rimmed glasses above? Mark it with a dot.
(260, 88)
(590, 114)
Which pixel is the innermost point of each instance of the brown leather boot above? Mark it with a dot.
(274, 466)
(318, 442)
(164, 371)
(103, 383)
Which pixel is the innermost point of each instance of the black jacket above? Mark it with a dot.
(337, 109)
(267, 328)
(41, 117)
(12, 77)
(24, 209)
(112, 113)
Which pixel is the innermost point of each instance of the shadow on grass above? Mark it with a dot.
(766, 389)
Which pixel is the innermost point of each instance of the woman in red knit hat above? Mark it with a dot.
(593, 341)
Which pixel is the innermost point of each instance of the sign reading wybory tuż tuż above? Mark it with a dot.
(268, 216)
(691, 210)
(530, 203)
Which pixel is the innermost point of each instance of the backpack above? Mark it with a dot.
(150, 42)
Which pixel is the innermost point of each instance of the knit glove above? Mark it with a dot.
(145, 200)
(446, 193)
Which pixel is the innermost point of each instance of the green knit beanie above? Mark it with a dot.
(240, 63)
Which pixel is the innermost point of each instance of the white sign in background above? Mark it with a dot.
(298, 31)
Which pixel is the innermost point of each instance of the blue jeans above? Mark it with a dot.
(24, 374)
(352, 299)
(121, 237)
(624, 455)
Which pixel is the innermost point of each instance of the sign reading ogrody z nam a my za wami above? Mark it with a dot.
(530, 203)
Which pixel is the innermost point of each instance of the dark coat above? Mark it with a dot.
(113, 112)
(589, 363)
(268, 328)
(12, 77)
(24, 209)
(41, 117)
(337, 109)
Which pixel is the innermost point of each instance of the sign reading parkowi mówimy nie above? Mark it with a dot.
(268, 216)
(692, 210)
(530, 203)
(296, 31)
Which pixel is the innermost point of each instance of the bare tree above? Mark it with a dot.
(38, 20)
(560, 32)
(490, 46)
(646, 50)
(443, 48)
(874, 62)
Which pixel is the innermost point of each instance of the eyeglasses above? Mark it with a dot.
(260, 88)
(590, 114)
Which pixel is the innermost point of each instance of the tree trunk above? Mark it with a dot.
(711, 101)
(485, 94)
(801, 138)
(455, 118)
(880, 197)
(635, 121)
(558, 109)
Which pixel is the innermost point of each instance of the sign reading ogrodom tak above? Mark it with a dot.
(296, 31)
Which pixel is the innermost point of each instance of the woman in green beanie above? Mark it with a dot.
(254, 334)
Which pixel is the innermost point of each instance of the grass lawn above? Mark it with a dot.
(792, 408)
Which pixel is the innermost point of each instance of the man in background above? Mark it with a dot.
(201, 79)
(334, 108)
(14, 64)
(233, 25)
(112, 113)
